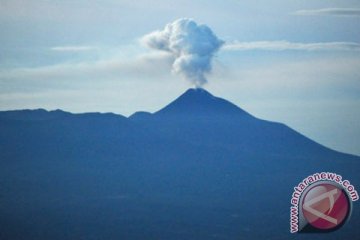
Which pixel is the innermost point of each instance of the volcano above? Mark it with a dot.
(198, 116)
(199, 168)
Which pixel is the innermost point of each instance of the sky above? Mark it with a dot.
(295, 62)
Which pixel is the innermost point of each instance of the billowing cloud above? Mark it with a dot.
(331, 12)
(286, 45)
(192, 46)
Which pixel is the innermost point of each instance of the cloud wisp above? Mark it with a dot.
(286, 45)
(113, 69)
(347, 12)
(73, 48)
(192, 46)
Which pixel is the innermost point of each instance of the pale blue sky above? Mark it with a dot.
(295, 62)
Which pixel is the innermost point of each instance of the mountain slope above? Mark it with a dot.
(200, 168)
(199, 102)
(199, 117)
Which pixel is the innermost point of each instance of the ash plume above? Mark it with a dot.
(192, 45)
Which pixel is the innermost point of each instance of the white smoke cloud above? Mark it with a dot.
(192, 45)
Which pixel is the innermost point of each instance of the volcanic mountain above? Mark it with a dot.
(197, 116)
(200, 168)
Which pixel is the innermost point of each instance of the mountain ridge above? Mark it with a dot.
(193, 110)
(174, 174)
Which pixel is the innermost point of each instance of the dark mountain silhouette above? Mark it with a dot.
(200, 168)
(199, 102)
(197, 115)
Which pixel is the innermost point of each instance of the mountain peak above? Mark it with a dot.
(195, 96)
(199, 102)
(197, 91)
